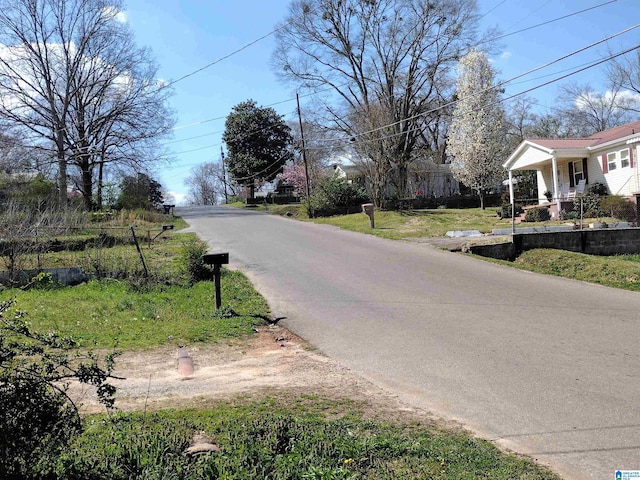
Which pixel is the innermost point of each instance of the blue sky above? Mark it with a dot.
(188, 35)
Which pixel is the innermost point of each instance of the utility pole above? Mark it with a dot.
(224, 176)
(304, 159)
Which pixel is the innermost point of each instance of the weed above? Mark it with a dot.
(269, 439)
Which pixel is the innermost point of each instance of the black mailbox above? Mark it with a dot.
(216, 258)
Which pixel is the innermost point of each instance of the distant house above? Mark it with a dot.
(425, 178)
(351, 173)
(430, 179)
(609, 157)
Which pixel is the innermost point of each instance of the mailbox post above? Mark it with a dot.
(217, 260)
(367, 209)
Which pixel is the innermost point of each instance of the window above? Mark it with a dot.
(578, 173)
(611, 160)
(624, 158)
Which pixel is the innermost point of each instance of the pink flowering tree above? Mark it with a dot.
(294, 175)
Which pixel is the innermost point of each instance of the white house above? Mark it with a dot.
(425, 178)
(609, 157)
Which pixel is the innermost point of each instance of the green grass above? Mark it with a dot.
(419, 223)
(621, 271)
(138, 312)
(107, 313)
(270, 439)
(295, 210)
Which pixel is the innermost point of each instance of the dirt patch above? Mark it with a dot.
(457, 244)
(274, 362)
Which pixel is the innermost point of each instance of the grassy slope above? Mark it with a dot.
(419, 223)
(621, 271)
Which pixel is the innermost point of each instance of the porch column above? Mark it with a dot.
(513, 200)
(513, 203)
(554, 168)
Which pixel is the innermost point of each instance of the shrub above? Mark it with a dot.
(591, 204)
(570, 215)
(537, 214)
(619, 207)
(334, 194)
(597, 188)
(34, 406)
(191, 260)
(505, 210)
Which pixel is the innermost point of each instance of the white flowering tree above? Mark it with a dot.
(477, 141)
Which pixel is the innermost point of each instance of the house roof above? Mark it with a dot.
(558, 143)
(567, 147)
(597, 138)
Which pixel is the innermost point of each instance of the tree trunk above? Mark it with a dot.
(481, 195)
(62, 170)
(87, 185)
(99, 186)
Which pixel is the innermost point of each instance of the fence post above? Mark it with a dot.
(135, 239)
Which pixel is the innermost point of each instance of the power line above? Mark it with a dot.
(500, 84)
(235, 52)
(551, 21)
(590, 65)
(502, 100)
(292, 99)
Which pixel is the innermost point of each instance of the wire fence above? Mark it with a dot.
(98, 251)
(575, 210)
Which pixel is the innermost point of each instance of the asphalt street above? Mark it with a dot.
(543, 365)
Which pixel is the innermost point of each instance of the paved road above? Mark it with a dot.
(544, 365)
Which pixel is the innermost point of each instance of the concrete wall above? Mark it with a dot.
(64, 276)
(607, 241)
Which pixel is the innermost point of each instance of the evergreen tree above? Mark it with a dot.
(258, 141)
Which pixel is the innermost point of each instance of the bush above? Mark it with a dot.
(36, 416)
(597, 188)
(505, 210)
(537, 214)
(191, 260)
(334, 195)
(591, 204)
(570, 215)
(619, 207)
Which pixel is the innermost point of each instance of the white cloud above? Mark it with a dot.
(115, 14)
(505, 55)
(621, 99)
(176, 198)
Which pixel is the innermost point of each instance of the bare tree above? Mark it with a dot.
(586, 111)
(625, 71)
(388, 64)
(522, 123)
(206, 184)
(72, 80)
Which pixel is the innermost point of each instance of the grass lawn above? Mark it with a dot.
(419, 223)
